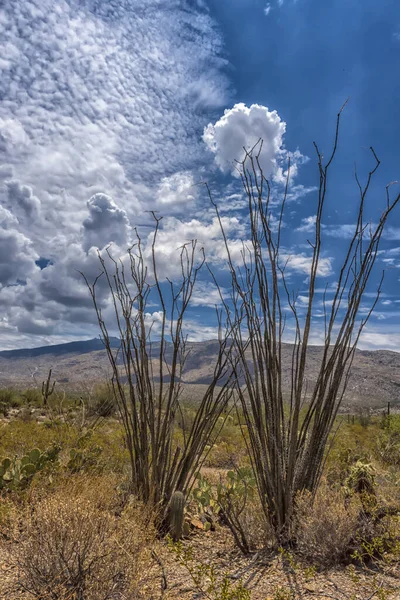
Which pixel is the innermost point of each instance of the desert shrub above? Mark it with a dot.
(352, 443)
(102, 402)
(234, 501)
(9, 398)
(325, 527)
(33, 396)
(72, 545)
(223, 455)
(255, 527)
(387, 448)
(348, 524)
(361, 480)
(20, 436)
(229, 448)
(364, 416)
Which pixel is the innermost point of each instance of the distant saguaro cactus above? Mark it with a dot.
(176, 515)
(47, 389)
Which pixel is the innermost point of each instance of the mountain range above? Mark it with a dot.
(374, 380)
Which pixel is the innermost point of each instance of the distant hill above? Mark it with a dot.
(80, 347)
(374, 381)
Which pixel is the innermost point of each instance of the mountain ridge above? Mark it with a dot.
(374, 380)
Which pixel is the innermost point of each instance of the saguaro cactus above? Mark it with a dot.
(47, 388)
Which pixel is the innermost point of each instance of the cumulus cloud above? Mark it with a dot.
(13, 137)
(176, 190)
(21, 197)
(242, 127)
(175, 232)
(106, 223)
(104, 100)
(17, 256)
(7, 219)
(99, 102)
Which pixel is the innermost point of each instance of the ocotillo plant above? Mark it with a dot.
(287, 441)
(148, 367)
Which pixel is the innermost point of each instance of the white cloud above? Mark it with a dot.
(307, 224)
(373, 339)
(106, 223)
(242, 127)
(21, 197)
(176, 190)
(301, 263)
(206, 294)
(267, 9)
(346, 231)
(102, 109)
(17, 257)
(109, 101)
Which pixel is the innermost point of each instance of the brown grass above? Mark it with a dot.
(75, 544)
(326, 527)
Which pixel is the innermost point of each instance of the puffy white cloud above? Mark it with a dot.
(99, 102)
(103, 100)
(7, 219)
(17, 256)
(176, 232)
(21, 197)
(242, 127)
(13, 137)
(106, 223)
(176, 190)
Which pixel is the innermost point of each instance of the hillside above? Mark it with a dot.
(374, 381)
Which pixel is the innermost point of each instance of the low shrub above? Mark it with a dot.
(33, 396)
(341, 526)
(9, 398)
(72, 544)
(102, 402)
(325, 527)
(387, 448)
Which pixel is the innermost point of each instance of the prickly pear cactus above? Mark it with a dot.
(176, 515)
(17, 473)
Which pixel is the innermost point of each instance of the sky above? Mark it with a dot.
(111, 109)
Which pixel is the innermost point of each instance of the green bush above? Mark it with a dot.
(102, 403)
(388, 441)
(85, 455)
(33, 396)
(9, 398)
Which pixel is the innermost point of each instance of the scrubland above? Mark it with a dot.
(71, 529)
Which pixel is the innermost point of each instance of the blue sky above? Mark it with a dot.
(111, 108)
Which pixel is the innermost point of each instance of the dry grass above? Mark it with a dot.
(74, 543)
(326, 527)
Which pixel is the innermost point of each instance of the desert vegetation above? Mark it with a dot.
(71, 527)
(138, 491)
